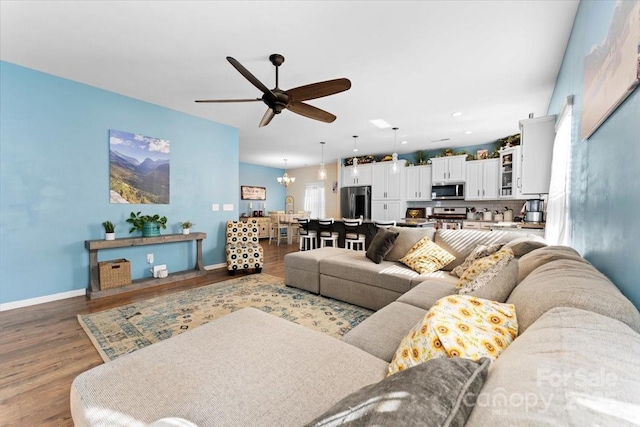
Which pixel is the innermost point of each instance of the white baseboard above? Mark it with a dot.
(214, 266)
(79, 292)
(41, 300)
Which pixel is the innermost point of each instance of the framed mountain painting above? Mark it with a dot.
(612, 60)
(138, 168)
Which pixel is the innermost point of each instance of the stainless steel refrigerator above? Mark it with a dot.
(355, 202)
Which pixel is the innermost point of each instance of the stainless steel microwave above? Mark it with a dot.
(448, 191)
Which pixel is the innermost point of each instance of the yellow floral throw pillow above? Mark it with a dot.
(426, 257)
(483, 270)
(458, 326)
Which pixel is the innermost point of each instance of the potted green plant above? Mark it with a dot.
(149, 225)
(186, 226)
(109, 230)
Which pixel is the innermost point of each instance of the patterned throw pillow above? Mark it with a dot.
(458, 326)
(426, 257)
(478, 252)
(483, 270)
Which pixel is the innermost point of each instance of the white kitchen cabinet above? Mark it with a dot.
(384, 184)
(363, 177)
(386, 210)
(418, 186)
(482, 179)
(536, 142)
(448, 169)
(510, 178)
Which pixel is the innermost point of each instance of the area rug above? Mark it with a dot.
(125, 329)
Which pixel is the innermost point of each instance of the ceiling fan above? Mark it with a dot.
(278, 99)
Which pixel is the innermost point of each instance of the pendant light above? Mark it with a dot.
(322, 172)
(285, 179)
(394, 167)
(354, 170)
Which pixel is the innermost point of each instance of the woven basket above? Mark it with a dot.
(114, 274)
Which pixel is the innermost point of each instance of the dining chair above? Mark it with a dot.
(277, 230)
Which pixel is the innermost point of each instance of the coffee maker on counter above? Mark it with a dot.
(534, 211)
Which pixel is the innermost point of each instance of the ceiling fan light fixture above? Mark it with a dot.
(322, 172)
(285, 179)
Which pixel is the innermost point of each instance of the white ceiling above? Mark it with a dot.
(411, 63)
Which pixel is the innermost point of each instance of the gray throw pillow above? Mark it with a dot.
(381, 244)
(408, 237)
(439, 392)
(501, 285)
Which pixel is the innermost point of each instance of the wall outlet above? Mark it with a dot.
(149, 258)
(215, 207)
(158, 268)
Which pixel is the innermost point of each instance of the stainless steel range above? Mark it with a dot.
(448, 218)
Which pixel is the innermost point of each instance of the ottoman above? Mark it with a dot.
(302, 269)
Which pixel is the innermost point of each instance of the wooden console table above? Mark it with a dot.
(94, 291)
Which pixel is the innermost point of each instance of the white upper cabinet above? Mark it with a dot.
(385, 185)
(482, 179)
(510, 174)
(418, 183)
(448, 169)
(363, 177)
(536, 142)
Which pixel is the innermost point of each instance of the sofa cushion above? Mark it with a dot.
(570, 368)
(425, 294)
(426, 257)
(247, 368)
(458, 326)
(538, 257)
(381, 244)
(477, 253)
(441, 392)
(483, 270)
(381, 333)
(354, 266)
(460, 243)
(407, 237)
(570, 283)
(523, 245)
(500, 287)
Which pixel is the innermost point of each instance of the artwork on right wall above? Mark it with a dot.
(612, 60)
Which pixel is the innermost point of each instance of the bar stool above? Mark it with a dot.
(326, 232)
(353, 239)
(308, 238)
(384, 224)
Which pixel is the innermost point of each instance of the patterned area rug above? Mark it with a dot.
(125, 329)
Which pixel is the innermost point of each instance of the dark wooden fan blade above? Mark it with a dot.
(247, 75)
(229, 100)
(318, 90)
(268, 115)
(311, 112)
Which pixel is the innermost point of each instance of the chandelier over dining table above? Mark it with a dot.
(285, 179)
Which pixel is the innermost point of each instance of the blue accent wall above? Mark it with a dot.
(605, 177)
(54, 181)
(263, 176)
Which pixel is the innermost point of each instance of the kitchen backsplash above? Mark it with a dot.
(492, 205)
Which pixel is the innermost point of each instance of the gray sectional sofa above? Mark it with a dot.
(350, 276)
(574, 362)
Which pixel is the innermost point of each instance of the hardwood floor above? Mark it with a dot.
(43, 348)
